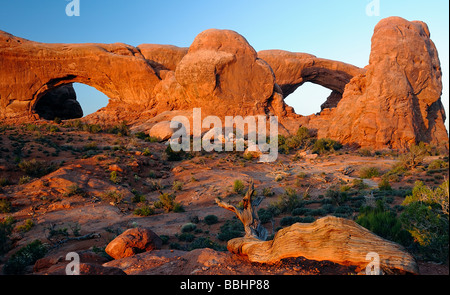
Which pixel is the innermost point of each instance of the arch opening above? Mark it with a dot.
(69, 101)
(311, 98)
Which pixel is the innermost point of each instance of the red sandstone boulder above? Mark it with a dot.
(133, 241)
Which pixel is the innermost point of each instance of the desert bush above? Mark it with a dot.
(384, 185)
(6, 227)
(188, 227)
(36, 168)
(265, 215)
(75, 190)
(112, 196)
(437, 164)
(369, 172)
(290, 220)
(120, 129)
(300, 211)
(202, 242)
(24, 257)
(425, 217)
(238, 186)
(144, 211)
(359, 184)
(91, 128)
(4, 182)
(186, 237)
(26, 226)
(177, 185)
(138, 197)
(288, 201)
(173, 155)
(5, 206)
(114, 177)
(304, 138)
(336, 197)
(167, 202)
(230, 230)
(90, 146)
(365, 152)
(211, 219)
(326, 145)
(384, 223)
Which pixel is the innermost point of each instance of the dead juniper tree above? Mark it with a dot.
(247, 215)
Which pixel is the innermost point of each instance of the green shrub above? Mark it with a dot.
(384, 185)
(325, 145)
(114, 177)
(144, 211)
(264, 215)
(414, 156)
(230, 230)
(425, 217)
(119, 129)
(336, 197)
(188, 227)
(177, 185)
(383, 223)
(300, 211)
(186, 237)
(27, 226)
(167, 202)
(4, 182)
(202, 242)
(6, 227)
(36, 168)
(172, 155)
(211, 219)
(369, 172)
(289, 200)
(238, 186)
(112, 196)
(24, 257)
(5, 206)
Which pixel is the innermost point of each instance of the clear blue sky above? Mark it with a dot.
(339, 30)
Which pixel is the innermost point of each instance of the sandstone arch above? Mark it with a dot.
(293, 69)
(31, 69)
(393, 102)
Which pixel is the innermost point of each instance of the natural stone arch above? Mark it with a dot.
(118, 70)
(293, 69)
(61, 90)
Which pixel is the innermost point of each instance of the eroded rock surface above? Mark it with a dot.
(393, 102)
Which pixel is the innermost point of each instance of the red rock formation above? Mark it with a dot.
(393, 102)
(292, 69)
(397, 102)
(30, 69)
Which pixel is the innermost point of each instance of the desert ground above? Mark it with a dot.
(76, 186)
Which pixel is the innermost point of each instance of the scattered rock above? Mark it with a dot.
(133, 241)
(163, 131)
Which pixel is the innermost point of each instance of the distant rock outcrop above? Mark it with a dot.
(393, 102)
(397, 102)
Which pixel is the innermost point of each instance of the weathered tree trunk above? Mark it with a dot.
(334, 239)
(247, 215)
